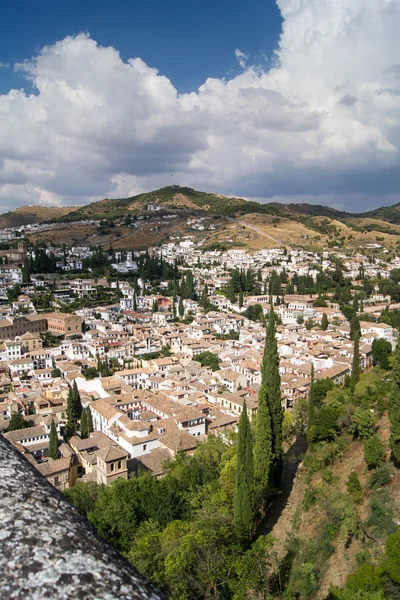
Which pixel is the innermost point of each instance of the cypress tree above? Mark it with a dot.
(324, 322)
(243, 502)
(240, 299)
(77, 404)
(84, 424)
(71, 420)
(53, 442)
(272, 383)
(263, 445)
(311, 408)
(394, 406)
(181, 308)
(89, 421)
(355, 368)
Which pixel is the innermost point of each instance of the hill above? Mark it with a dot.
(133, 223)
(390, 214)
(26, 215)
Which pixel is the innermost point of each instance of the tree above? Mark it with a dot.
(84, 424)
(208, 359)
(394, 406)
(181, 308)
(263, 444)
(311, 408)
(74, 407)
(354, 487)
(89, 421)
(243, 502)
(374, 452)
(26, 276)
(355, 367)
(56, 372)
(381, 350)
(324, 322)
(17, 421)
(272, 381)
(240, 299)
(53, 442)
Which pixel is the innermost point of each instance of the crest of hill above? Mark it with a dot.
(187, 199)
(390, 214)
(26, 215)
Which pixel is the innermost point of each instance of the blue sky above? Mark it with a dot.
(186, 41)
(110, 98)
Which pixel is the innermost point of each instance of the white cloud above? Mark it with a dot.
(242, 58)
(4, 65)
(323, 123)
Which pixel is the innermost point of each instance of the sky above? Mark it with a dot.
(293, 101)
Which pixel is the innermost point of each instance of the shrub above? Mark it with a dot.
(374, 452)
(310, 498)
(354, 487)
(367, 577)
(380, 477)
(362, 423)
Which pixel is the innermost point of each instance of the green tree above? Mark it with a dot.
(243, 502)
(89, 421)
(272, 381)
(53, 442)
(263, 444)
(324, 322)
(26, 275)
(84, 424)
(374, 452)
(311, 409)
(381, 350)
(208, 359)
(354, 487)
(74, 407)
(394, 406)
(181, 308)
(355, 367)
(17, 421)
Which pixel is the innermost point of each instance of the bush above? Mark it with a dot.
(362, 423)
(367, 578)
(374, 452)
(380, 477)
(310, 498)
(354, 487)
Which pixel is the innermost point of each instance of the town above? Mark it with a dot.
(112, 362)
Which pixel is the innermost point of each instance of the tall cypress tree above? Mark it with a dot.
(77, 404)
(263, 445)
(355, 368)
(394, 406)
(53, 441)
(311, 408)
(272, 383)
(181, 308)
(89, 421)
(84, 424)
(243, 502)
(71, 420)
(324, 322)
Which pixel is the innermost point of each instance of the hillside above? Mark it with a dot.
(30, 214)
(231, 221)
(390, 214)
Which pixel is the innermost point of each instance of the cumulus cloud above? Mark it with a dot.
(322, 123)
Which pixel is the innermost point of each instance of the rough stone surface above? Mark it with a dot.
(48, 550)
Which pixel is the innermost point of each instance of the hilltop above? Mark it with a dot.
(26, 215)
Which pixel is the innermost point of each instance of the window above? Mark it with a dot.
(112, 467)
(56, 480)
(144, 447)
(119, 464)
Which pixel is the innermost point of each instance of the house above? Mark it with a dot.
(111, 464)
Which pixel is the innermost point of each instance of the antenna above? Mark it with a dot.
(172, 179)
